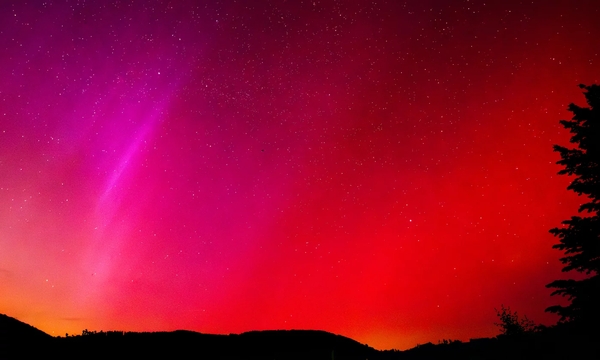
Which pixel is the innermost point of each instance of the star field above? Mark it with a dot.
(377, 169)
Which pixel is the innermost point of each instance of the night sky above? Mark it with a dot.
(382, 170)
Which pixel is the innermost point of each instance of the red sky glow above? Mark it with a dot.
(381, 170)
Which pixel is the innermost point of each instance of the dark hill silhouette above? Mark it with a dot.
(275, 344)
(12, 329)
(19, 340)
(17, 336)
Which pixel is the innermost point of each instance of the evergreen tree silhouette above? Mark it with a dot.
(580, 236)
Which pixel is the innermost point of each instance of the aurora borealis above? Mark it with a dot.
(381, 170)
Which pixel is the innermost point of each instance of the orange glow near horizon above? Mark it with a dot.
(382, 171)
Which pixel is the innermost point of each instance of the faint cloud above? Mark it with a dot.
(72, 319)
(4, 273)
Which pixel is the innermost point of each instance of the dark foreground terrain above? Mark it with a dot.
(19, 340)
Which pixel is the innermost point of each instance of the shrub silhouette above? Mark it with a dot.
(511, 325)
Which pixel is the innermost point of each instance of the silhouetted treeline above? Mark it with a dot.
(19, 340)
(293, 344)
(562, 341)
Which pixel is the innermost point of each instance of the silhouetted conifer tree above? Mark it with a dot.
(580, 236)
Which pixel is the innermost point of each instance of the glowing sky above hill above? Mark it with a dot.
(378, 169)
